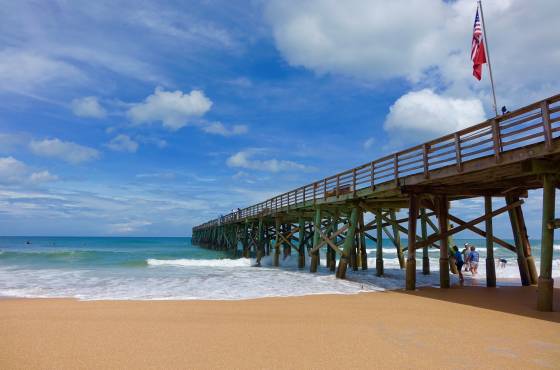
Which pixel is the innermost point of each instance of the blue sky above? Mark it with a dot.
(146, 118)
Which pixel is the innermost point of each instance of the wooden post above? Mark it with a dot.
(443, 209)
(316, 240)
(260, 237)
(379, 250)
(328, 233)
(425, 255)
(301, 257)
(397, 236)
(411, 259)
(546, 283)
(277, 242)
(348, 244)
(521, 260)
(363, 251)
(235, 239)
(331, 262)
(490, 265)
(287, 246)
(531, 268)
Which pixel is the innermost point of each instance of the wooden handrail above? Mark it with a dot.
(431, 153)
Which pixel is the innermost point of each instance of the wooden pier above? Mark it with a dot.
(503, 157)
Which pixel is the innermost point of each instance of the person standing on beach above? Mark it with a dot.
(465, 253)
(473, 260)
(459, 262)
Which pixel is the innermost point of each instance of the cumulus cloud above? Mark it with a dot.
(426, 42)
(173, 109)
(88, 107)
(13, 171)
(64, 150)
(123, 143)
(376, 39)
(244, 159)
(219, 128)
(422, 115)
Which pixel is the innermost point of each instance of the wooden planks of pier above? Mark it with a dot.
(503, 157)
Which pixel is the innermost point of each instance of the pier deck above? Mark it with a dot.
(503, 157)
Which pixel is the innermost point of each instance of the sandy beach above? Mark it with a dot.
(430, 328)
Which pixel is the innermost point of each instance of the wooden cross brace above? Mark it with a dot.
(465, 225)
(328, 240)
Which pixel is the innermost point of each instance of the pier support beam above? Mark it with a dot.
(363, 251)
(260, 242)
(277, 242)
(331, 261)
(411, 259)
(521, 260)
(379, 251)
(348, 244)
(546, 283)
(397, 237)
(425, 255)
(490, 265)
(316, 240)
(443, 209)
(531, 267)
(301, 241)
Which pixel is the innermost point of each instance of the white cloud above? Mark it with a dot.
(375, 39)
(123, 143)
(423, 115)
(42, 176)
(129, 227)
(65, 150)
(219, 128)
(13, 171)
(88, 107)
(426, 42)
(243, 159)
(369, 143)
(24, 70)
(173, 109)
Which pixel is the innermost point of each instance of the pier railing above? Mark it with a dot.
(535, 123)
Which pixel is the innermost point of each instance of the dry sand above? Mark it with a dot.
(430, 328)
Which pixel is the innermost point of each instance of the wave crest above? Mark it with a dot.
(241, 262)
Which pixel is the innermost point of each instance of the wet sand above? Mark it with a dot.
(429, 328)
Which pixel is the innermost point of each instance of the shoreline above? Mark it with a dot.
(425, 329)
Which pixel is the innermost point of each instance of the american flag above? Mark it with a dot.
(478, 54)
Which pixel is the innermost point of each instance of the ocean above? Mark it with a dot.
(123, 268)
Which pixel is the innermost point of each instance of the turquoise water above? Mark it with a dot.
(172, 268)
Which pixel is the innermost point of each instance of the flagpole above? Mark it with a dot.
(488, 55)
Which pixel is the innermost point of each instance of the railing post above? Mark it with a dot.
(425, 149)
(325, 188)
(546, 126)
(396, 168)
(337, 184)
(496, 137)
(354, 181)
(372, 173)
(314, 192)
(458, 152)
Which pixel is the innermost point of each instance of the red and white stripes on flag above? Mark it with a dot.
(478, 54)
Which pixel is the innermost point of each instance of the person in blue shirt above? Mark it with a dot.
(473, 259)
(459, 262)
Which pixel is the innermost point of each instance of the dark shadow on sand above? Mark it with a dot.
(516, 300)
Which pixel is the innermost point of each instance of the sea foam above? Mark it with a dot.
(241, 262)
